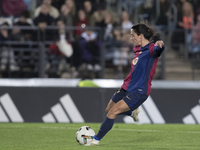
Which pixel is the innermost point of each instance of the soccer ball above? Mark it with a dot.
(84, 135)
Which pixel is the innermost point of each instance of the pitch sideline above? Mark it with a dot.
(133, 130)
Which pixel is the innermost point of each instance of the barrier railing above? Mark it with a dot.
(40, 54)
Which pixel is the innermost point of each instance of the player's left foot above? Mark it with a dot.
(134, 115)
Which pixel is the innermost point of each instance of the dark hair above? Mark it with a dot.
(25, 14)
(142, 28)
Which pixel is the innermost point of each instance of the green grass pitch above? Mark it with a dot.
(41, 136)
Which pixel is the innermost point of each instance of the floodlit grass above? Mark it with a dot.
(41, 136)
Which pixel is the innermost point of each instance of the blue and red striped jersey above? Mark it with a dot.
(143, 68)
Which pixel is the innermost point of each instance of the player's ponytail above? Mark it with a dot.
(142, 28)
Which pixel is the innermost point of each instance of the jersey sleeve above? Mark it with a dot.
(156, 51)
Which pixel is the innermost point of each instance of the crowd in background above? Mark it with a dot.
(75, 51)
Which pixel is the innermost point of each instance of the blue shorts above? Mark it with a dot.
(118, 95)
(132, 99)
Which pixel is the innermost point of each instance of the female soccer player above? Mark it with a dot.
(121, 92)
(137, 85)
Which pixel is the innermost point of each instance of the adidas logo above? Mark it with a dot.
(8, 110)
(64, 112)
(149, 113)
(194, 117)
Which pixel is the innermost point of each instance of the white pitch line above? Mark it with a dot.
(53, 127)
(134, 130)
(112, 129)
(188, 132)
(138, 130)
(11, 126)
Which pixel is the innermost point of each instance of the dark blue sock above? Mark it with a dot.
(129, 113)
(105, 127)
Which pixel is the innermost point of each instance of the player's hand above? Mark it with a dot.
(159, 43)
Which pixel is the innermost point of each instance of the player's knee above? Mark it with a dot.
(112, 113)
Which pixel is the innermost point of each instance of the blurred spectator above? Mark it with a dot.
(89, 12)
(63, 44)
(112, 45)
(24, 20)
(179, 4)
(16, 34)
(98, 4)
(118, 52)
(57, 3)
(28, 4)
(72, 7)
(7, 61)
(107, 24)
(184, 21)
(90, 48)
(126, 23)
(162, 20)
(4, 36)
(127, 47)
(60, 54)
(124, 55)
(42, 21)
(9, 7)
(24, 17)
(98, 17)
(68, 20)
(99, 10)
(195, 46)
(81, 22)
(130, 5)
(53, 12)
(44, 15)
(22, 35)
(146, 10)
(196, 6)
(66, 16)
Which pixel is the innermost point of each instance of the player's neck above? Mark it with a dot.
(144, 43)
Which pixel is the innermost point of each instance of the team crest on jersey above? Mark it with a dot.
(135, 61)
